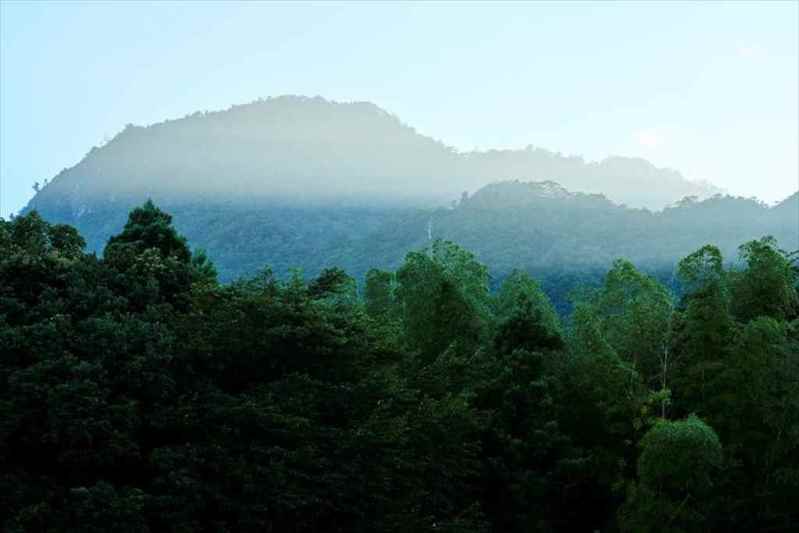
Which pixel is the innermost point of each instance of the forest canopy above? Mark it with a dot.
(139, 393)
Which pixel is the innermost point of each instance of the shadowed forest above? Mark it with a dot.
(139, 393)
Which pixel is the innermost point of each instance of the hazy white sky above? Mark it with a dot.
(708, 88)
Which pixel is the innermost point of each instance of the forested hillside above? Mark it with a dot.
(549, 231)
(308, 183)
(138, 393)
(563, 238)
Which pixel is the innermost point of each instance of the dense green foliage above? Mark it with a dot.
(138, 393)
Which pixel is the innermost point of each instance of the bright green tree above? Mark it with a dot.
(705, 331)
(677, 476)
(444, 296)
(767, 286)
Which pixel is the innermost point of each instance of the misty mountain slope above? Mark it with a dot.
(304, 182)
(785, 218)
(561, 237)
(543, 227)
(243, 238)
(309, 150)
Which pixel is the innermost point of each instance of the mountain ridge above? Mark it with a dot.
(540, 226)
(256, 185)
(301, 149)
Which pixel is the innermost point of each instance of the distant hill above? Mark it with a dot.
(541, 226)
(304, 182)
(563, 238)
(310, 150)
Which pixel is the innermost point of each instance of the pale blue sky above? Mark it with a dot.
(708, 88)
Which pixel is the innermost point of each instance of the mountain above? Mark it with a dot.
(298, 150)
(303, 182)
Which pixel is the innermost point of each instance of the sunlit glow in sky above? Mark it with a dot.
(707, 88)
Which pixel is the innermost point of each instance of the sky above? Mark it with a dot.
(708, 88)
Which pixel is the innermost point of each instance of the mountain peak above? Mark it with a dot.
(309, 149)
(526, 194)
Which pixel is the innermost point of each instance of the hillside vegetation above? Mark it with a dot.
(307, 183)
(561, 237)
(138, 393)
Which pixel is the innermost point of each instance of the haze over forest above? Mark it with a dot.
(304, 149)
(301, 182)
(246, 313)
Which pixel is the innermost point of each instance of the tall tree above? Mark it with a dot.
(444, 296)
(677, 476)
(767, 286)
(633, 313)
(706, 328)
(152, 258)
